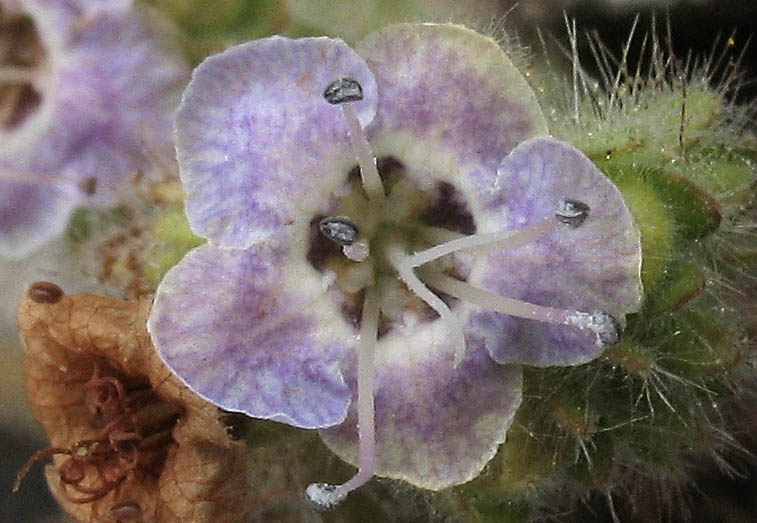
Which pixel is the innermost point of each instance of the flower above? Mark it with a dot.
(129, 441)
(381, 226)
(88, 91)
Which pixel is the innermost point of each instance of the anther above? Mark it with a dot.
(339, 229)
(45, 292)
(339, 92)
(572, 212)
(343, 90)
(324, 495)
(606, 327)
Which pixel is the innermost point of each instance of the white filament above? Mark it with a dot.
(369, 174)
(399, 261)
(509, 239)
(323, 494)
(521, 309)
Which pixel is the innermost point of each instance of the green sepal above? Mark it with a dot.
(633, 357)
(210, 29)
(656, 130)
(696, 213)
(693, 343)
(727, 175)
(80, 225)
(683, 281)
(652, 216)
(682, 117)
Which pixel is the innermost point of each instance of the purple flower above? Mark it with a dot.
(388, 227)
(88, 92)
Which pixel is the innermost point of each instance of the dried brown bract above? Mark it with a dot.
(130, 443)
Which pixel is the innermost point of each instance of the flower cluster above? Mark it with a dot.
(391, 233)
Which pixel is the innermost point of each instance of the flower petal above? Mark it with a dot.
(451, 101)
(254, 332)
(595, 266)
(258, 145)
(436, 425)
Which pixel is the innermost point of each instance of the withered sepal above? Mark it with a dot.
(130, 441)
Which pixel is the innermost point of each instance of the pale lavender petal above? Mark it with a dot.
(451, 101)
(436, 425)
(595, 266)
(255, 332)
(258, 145)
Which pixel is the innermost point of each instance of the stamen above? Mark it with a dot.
(343, 91)
(399, 261)
(339, 229)
(328, 496)
(572, 212)
(602, 324)
(510, 239)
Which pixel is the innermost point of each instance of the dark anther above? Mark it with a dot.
(45, 292)
(343, 90)
(339, 229)
(608, 329)
(89, 186)
(572, 212)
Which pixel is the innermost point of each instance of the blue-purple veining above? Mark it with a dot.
(438, 425)
(241, 190)
(252, 338)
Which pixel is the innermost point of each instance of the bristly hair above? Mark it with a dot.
(619, 90)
